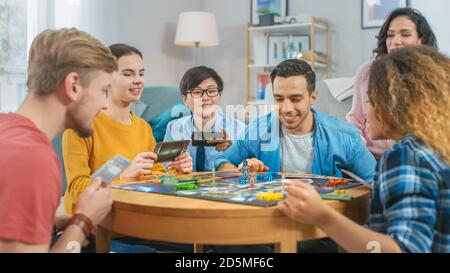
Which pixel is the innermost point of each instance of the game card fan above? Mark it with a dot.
(111, 169)
(168, 151)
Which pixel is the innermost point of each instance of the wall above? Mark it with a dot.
(150, 25)
(229, 58)
(350, 45)
(437, 16)
(98, 17)
(166, 63)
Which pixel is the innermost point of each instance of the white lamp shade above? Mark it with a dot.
(197, 28)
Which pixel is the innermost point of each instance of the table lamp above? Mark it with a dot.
(197, 29)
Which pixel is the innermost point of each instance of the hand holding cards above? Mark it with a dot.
(219, 140)
(175, 152)
(168, 151)
(207, 138)
(141, 165)
(111, 169)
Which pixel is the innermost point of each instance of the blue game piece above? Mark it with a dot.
(268, 177)
(245, 170)
(242, 181)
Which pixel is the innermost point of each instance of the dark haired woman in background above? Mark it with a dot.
(404, 27)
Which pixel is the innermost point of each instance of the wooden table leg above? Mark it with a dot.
(103, 240)
(198, 248)
(341, 250)
(286, 246)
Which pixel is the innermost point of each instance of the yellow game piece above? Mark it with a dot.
(270, 196)
(279, 196)
(261, 196)
(339, 192)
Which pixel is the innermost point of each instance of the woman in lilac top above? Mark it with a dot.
(404, 27)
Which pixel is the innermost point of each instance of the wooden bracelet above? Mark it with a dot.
(83, 222)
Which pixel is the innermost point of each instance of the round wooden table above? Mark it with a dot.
(201, 222)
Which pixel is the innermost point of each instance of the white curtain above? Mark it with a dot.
(22, 20)
(13, 56)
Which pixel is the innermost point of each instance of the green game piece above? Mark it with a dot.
(192, 187)
(344, 197)
(186, 187)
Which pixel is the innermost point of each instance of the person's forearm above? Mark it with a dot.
(226, 167)
(71, 241)
(77, 186)
(61, 221)
(355, 238)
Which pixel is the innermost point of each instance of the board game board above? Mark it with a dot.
(265, 191)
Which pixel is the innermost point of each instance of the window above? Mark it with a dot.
(22, 20)
(13, 53)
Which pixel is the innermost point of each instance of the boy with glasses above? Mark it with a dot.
(201, 90)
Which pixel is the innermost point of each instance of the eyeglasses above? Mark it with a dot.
(210, 92)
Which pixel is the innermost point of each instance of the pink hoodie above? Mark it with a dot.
(357, 115)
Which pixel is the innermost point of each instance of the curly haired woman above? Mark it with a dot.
(409, 102)
(404, 27)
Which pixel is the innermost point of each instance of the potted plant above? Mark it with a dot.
(267, 17)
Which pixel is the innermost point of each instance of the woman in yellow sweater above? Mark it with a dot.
(116, 130)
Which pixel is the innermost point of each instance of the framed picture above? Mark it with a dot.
(375, 12)
(276, 6)
(281, 48)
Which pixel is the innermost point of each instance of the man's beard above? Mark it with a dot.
(78, 122)
(302, 118)
(83, 130)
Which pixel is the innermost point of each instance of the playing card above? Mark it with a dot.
(111, 169)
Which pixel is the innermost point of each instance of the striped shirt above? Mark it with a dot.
(411, 198)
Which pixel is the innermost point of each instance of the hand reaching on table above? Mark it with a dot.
(255, 165)
(304, 204)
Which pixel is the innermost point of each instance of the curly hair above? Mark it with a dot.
(423, 29)
(409, 90)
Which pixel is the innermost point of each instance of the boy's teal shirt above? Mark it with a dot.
(337, 145)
